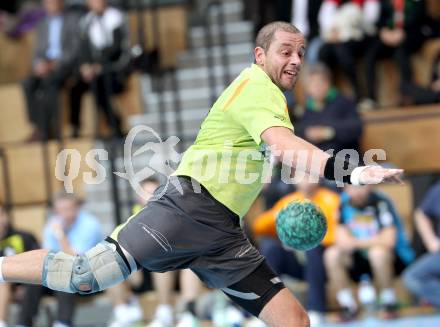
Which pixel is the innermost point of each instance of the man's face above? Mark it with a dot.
(67, 210)
(318, 86)
(306, 187)
(358, 194)
(97, 6)
(53, 7)
(283, 59)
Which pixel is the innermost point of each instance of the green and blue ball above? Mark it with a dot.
(301, 225)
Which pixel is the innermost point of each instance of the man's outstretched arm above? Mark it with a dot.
(302, 155)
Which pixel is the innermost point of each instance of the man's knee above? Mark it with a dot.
(284, 310)
(99, 268)
(332, 256)
(380, 255)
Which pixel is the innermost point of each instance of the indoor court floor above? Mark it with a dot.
(418, 321)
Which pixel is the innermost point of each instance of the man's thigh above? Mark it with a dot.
(427, 265)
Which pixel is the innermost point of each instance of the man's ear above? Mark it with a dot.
(260, 56)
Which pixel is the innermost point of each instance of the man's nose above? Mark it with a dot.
(295, 59)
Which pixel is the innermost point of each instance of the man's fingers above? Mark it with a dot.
(378, 174)
(394, 176)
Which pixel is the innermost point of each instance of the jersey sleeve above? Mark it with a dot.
(259, 108)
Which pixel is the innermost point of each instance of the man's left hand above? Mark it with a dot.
(378, 174)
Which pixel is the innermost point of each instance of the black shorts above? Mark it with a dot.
(190, 230)
(361, 265)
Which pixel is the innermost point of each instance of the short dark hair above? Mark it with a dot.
(266, 33)
(319, 69)
(63, 195)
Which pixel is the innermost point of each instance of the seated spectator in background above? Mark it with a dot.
(422, 278)
(72, 231)
(262, 12)
(305, 17)
(346, 28)
(283, 261)
(19, 17)
(369, 239)
(103, 62)
(14, 241)
(330, 120)
(164, 284)
(399, 35)
(55, 51)
(126, 308)
(415, 94)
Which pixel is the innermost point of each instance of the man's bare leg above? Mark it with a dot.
(5, 300)
(337, 262)
(190, 285)
(284, 310)
(26, 267)
(381, 261)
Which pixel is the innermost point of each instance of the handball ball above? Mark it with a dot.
(301, 225)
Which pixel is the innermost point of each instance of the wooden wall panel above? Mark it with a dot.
(410, 137)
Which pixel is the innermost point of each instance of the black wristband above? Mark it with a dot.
(339, 169)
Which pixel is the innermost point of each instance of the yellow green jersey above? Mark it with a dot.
(228, 156)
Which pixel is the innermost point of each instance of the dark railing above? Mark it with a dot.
(113, 146)
(209, 37)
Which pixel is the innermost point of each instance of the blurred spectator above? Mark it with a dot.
(127, 310)
(369, 239)
(415, 94)
(18, 17)
(346, 28)
(399, 35)
(13, 241)
(330, 120)
(164, 285)
(305, 17)
(262, 12)
(103, 63)
(422, 278)
(72, 231)
(54, 56)
(283, 261)
(126, 307)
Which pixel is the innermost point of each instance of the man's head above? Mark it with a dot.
(359, 195)
(318, 81)
(306, 187)
(97, 6)
(53, 7)
(280, 48)
(148, 185)
(66, 206)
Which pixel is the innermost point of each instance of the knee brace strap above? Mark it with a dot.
(96, 270)
(57, 269)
